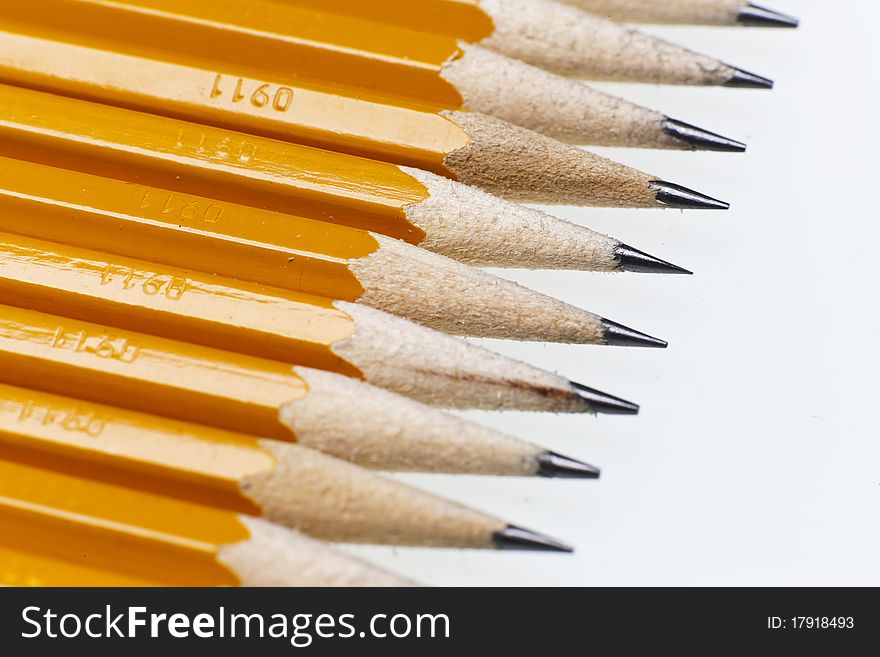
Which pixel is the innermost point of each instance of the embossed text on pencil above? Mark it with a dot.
(146, 282)
(259, 95)
(69, 419)
(189, 211)
(101, 345)
(225, 148)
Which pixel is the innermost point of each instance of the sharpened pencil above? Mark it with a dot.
(445, 295)
(329, 412)
(459, 17)
(688, 12)
(475, 149)
(286, 484)
(194, 459)
(269, 174)
(285, 250)
(241, 67)
(559, 38)
(156, 537)
(574, 43)
(289, 327)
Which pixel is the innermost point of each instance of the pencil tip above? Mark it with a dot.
(745, 80)
(682, 198)
(558, 466)
(630, 259)
(517, 538)
(600, 402)
(618, 335)
(699, 139)
(758, 16)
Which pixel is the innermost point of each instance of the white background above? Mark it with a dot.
(755, 460)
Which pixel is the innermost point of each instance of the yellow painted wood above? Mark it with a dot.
(462, 19)
(208, 161)
(146, 373)
(174, 228)
(99, 525)
(233, 95)
(176, 303)
(23, 566)
(147, 452)
(290, 39)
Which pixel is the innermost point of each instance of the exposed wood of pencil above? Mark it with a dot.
(156, 537)
(558, 173)
(418, 438)
(201, 74)
(276, 556)
(697, 12)
(509, 310)
(448, 372)
(564, 109)
(332, 500)
(512, 235)
(344, 417)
